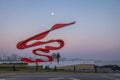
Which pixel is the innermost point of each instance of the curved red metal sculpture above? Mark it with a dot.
(23, 44)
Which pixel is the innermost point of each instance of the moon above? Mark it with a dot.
(52, 13)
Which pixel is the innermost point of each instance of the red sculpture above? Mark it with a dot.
(23, 44)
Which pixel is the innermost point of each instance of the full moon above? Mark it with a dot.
(52, 13)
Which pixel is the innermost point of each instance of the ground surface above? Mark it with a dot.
(60, 76)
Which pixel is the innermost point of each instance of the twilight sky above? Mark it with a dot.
(96, 34)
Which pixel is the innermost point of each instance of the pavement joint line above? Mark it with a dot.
(2, 75)
(2, 79)
(55, 78)
(74, 79)
(117, 74)
(11, 78)
(111, 78)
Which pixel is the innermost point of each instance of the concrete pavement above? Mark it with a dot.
(72, 76)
